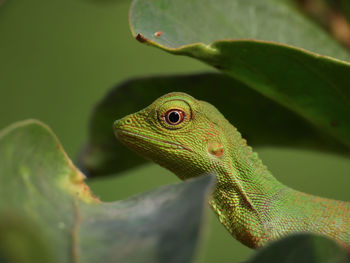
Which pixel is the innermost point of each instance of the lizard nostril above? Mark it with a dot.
(119, 124)
(128, 121)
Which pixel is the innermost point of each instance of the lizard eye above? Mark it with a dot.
(174, 117)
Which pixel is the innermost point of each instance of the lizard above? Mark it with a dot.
(191, 138)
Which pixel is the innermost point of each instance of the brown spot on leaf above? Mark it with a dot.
(141, 38)
(158, 33)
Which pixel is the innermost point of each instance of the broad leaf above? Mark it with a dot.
(260, 120)
(265, 47)
(172, 24)
(47, 213)
(302, 248)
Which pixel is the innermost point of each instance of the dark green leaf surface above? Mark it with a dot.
(346, 8)
(263, 52)
(47, 210)
(302, 248)
(260, 120)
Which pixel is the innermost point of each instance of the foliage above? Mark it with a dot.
(282, 82)
(51, 216)
(302, 248)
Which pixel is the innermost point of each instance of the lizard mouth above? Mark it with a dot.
(134, 135)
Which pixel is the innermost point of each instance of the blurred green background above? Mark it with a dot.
(57, 60)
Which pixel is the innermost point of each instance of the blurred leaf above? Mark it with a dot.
(46, 206)
(302, 248)
(260, 120)
(341, 5)
(346, 8)
(20, 241)
(330, 14)
(106, 2)
(314, 86)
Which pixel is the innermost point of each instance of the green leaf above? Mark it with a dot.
(302, 248)
(46, 207)
(269, 20)
(260, 120)
(268, 52)
(20, 240)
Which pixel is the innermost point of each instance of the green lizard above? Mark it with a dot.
(191, 138)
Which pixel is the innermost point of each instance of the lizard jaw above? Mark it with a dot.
(120, 133)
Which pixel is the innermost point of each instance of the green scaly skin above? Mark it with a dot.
(253, 206)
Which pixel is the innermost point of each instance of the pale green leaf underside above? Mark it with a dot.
(185, 22)
(271, 58)
(47, 211)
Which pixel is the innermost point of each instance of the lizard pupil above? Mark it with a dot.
(174, 117)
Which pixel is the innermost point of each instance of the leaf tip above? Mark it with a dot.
(139, 37)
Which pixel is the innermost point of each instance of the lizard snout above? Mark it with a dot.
(123, 122)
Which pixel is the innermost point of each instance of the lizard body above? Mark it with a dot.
(191, 138)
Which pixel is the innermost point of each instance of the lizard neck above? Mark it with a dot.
(244, 191)
(256, 208)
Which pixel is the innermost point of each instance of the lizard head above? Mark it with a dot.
(190, 138)
(178, 132)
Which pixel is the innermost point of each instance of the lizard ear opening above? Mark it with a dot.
(216, 149)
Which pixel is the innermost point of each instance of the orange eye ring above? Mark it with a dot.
(174, 116)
